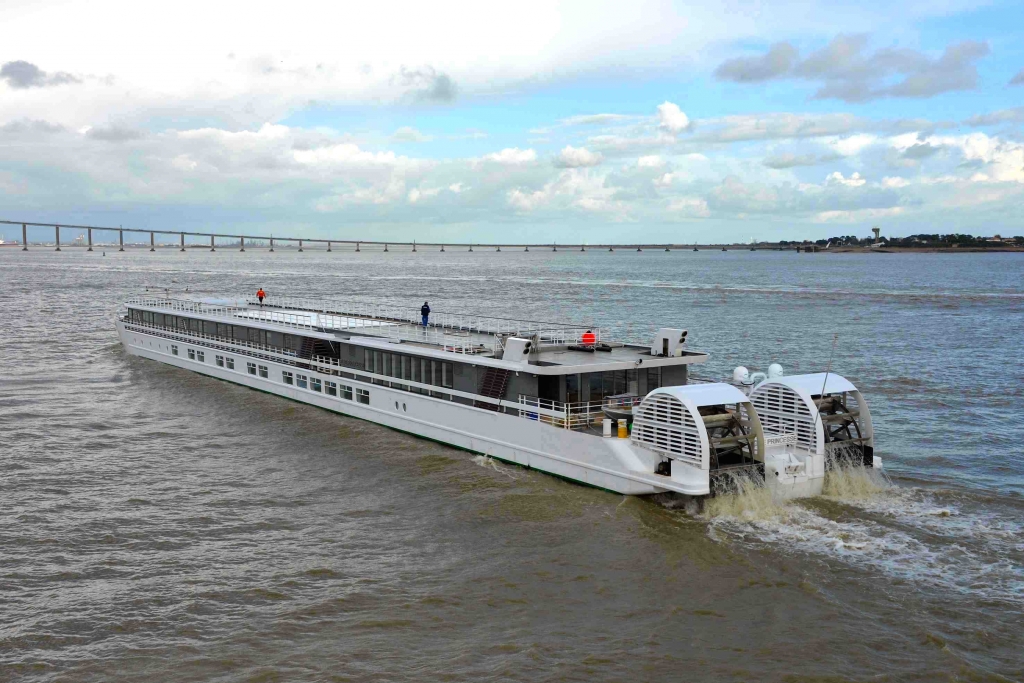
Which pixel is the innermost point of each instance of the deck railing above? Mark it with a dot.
(452, 331)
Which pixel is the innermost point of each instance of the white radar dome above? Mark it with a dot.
(741, 375)
(774, 371)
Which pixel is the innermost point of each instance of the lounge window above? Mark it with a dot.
(263, 372)
(287, 377)
(174, 350)
(191, 354)
(250, 368)
(201, 356)
(219, 360)
(346, 392)
(230, 363)
(363, 396)
(300, 381)
(330, 388)
(314, 384)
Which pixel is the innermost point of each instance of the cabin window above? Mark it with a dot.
(368, 360)
(346, 392)
(612, 383)
(250, 368)
(263, 371)
(447, 379)
(330, 388)
(300, 381)
(195, 324)
(209, 328)
(257, 336)
(174, 350)
(230, 363)
(201, 356)
(314, 384)
(572, 388)
(287, 377)
(240, 333)
(223, 330)
(219, 360)
(191, 354)
(363, 396)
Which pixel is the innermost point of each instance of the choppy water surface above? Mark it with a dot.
(158, 525)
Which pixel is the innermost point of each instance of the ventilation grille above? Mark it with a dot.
(782, 411)
(662, 423)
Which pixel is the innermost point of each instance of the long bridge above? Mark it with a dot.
(254, 240)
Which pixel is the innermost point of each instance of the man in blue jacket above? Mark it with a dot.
(425, 312)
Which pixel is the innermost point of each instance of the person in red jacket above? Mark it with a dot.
(260, 294)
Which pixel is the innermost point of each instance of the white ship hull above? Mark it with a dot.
(612, 464)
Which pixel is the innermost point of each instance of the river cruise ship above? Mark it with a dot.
(555, 397)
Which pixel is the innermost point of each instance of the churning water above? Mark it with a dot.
(164, 526)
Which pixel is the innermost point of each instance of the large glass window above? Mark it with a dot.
(263, 371)
(201, 356)
(314, 384)
(346, 392)
(330, 388)
(653, 378)
(572, 388)
(363, 396)
(300, 381)
(250, 368)
(219, 360)
(287, 377)
(223, 330)
(230, 363)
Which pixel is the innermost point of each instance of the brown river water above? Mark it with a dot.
(159, 525)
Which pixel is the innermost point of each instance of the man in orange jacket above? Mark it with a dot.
(260, 294)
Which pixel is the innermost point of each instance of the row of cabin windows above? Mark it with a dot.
(242, 333)
(397, 365)
(295, 379)
(325, 386)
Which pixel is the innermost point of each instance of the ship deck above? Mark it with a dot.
(460, 333)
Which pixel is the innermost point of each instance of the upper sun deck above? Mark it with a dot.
(461, 334)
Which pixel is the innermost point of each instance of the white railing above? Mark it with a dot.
(579, 415)
(453, 331)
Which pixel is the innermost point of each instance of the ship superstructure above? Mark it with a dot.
(556, 397)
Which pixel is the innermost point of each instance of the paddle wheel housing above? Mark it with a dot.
(825, 413)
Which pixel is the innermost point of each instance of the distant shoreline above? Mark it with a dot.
(918, 250)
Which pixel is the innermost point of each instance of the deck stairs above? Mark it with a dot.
(311, 347)
(493, 385)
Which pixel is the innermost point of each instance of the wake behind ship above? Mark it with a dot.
(556, 397)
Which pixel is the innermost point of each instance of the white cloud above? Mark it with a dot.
(894, 182)
(512, 156)
(851, 145)
(836, 178)
(577, 157)
(690, 206)
(664, 180)
(416, 194)
(671, 118)
(857, 215)
(650, 161)
(457, 187)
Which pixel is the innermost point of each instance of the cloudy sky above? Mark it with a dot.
(523, 121)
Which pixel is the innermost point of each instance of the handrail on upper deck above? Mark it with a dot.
(545, 333)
